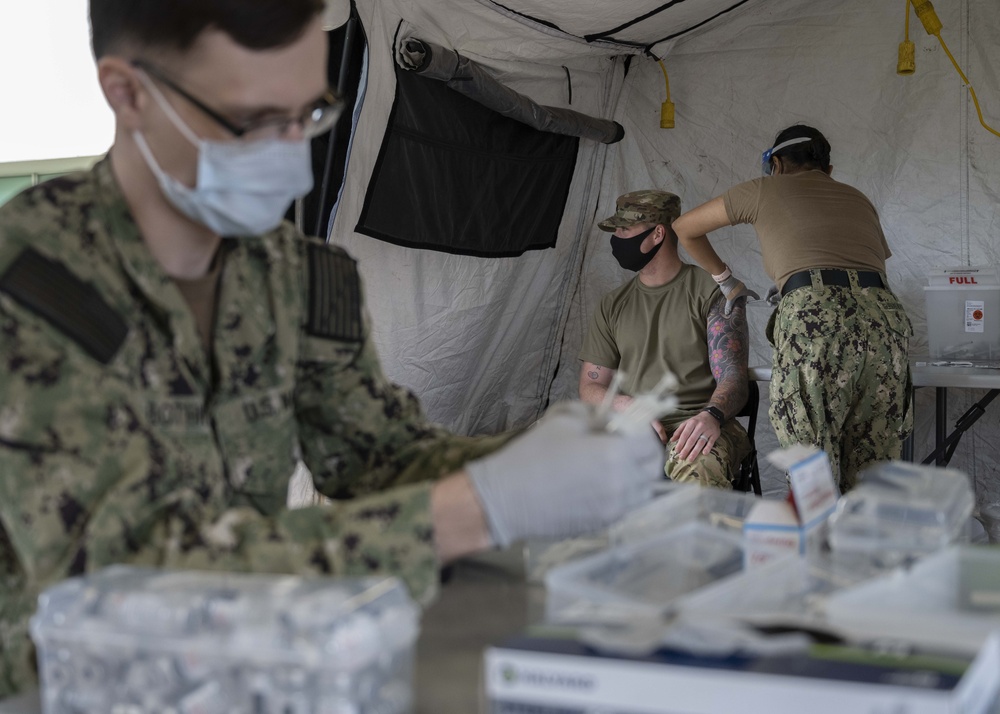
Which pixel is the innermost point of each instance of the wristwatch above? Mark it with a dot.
(716, 412)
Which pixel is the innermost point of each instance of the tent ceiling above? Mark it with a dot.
(638, 22)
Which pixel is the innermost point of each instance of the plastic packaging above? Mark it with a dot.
(143, 641)
(642, 579)
(989, 515)
(903, 510)
(541, 556)
(788, 590)
(949, 601)
(725, 510)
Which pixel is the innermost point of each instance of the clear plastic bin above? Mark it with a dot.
(949, 601)
(676, 504)
(644, 578)
(903, 510)
(143, 641)
(725, 510)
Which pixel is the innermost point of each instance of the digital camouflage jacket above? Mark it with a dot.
(121, 440)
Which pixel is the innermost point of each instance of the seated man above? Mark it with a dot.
(171, 349)
(671, 316)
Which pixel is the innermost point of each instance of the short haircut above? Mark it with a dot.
(813, 154)
(176, 24)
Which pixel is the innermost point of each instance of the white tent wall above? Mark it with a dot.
(477, 339)
(480, 339)
(912, 144)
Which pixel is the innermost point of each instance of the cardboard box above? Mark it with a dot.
(534, 675)
(774, 528)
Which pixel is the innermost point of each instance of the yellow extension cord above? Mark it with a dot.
(931, 23)
(667, 108)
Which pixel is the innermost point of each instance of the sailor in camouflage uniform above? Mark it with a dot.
(160, 382)
(840, 378)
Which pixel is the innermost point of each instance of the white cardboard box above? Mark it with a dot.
(773, 528)
(558, 676)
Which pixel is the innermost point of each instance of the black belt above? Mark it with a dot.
(830, 276)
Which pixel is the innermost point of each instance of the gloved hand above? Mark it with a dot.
(773, 296)
(563, 478)
(733, 289)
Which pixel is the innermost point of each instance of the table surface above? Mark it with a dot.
(485, 601)
(931, 373)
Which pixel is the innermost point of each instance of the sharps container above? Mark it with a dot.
(963, 313)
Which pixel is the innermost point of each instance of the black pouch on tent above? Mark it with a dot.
(455, 176)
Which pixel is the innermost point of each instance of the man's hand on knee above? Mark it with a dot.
(696, 436)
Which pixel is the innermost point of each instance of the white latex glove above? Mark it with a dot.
(562, 478)
(733, 289)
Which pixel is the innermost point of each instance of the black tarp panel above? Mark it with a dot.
(457, 177)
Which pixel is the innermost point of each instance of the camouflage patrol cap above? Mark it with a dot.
(646, 206)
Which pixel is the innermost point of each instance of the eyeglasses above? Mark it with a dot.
(765, 158)
(317, 120)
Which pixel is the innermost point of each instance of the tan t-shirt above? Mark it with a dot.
(808, 220)
(644, 331)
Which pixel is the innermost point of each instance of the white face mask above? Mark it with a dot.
(242, 188)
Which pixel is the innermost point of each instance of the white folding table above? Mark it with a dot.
(942, 375)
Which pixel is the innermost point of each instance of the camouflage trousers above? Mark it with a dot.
(841, 377)
(719, 466)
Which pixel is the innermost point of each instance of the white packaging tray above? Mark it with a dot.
(949, 602)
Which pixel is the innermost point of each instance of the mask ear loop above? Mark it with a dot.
(169, 110)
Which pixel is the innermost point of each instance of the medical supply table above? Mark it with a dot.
(941, 375)
(485, 602)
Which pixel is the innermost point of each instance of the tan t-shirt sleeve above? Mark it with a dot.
(742, 202)
(599, 346)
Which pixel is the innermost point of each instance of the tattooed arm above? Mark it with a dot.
(728, 354)
(594, 383)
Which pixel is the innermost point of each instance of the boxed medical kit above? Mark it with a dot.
(963, 313)
(135, 641)
(551, 675)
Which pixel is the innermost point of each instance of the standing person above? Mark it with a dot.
(670, 318)
(841, 376)
(171, 349)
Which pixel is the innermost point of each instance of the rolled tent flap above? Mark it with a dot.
(471, 79)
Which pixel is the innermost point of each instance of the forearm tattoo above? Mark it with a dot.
(728, 355)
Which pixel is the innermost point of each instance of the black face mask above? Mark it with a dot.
(628, 253)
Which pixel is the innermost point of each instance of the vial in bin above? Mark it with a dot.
(134, 641)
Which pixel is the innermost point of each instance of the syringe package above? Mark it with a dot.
(135, 641)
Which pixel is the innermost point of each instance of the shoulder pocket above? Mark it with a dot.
(334, 295)
(52, 291)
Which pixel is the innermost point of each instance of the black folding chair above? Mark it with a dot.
(749, 474)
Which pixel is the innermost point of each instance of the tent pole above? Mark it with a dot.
(345, 55)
